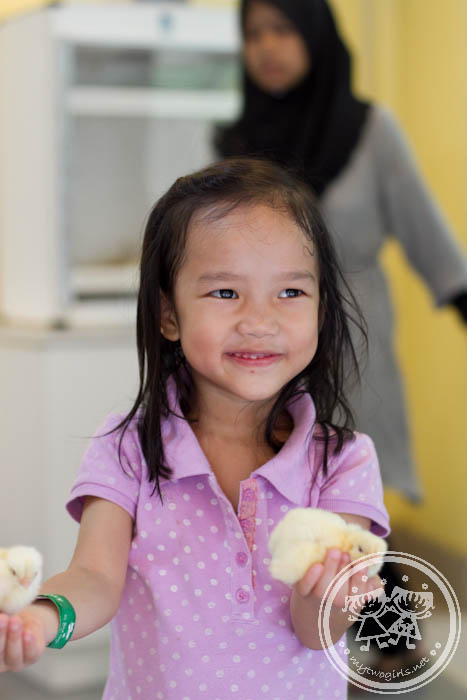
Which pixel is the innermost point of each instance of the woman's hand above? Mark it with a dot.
(22, 639)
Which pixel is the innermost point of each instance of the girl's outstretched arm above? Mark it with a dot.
(93, 583)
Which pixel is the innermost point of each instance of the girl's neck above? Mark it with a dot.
(242, 427)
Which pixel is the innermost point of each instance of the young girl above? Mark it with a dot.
(241, 329)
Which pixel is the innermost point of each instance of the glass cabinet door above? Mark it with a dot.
(136, 119)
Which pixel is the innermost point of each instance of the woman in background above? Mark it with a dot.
(299, 110)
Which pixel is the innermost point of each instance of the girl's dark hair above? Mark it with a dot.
(220, 188)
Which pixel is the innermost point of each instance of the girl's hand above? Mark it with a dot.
(314, 583)
(22, 639)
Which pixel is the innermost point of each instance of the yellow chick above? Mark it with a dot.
(20, 577)
(303, 536)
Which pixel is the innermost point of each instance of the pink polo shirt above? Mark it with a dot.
(200, 616)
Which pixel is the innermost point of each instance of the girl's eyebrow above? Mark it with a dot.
(222, 276)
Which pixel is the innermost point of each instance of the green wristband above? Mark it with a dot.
(67, 619)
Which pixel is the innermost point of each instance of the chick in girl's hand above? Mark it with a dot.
(20, 577)
(304, 535)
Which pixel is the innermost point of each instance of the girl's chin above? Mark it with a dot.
(256, 391)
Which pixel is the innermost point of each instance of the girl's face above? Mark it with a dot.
(275, 54)
(246, 304)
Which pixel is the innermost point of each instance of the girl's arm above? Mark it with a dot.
(93, 583)
(308, 593)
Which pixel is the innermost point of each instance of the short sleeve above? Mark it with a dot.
(107, 474)
(353, 484)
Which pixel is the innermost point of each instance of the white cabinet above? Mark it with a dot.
(102, 107)
(56, 388)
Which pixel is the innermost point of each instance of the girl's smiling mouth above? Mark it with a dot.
(257, 359)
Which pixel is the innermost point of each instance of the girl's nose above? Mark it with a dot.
(258, 324)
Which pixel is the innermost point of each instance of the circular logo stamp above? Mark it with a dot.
(386, 619)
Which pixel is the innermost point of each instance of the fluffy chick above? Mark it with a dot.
(20, 577)
(303, 536)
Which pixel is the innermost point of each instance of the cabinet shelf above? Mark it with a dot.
(103, 280)
(218, 105)
(162, 25)
(101, 313)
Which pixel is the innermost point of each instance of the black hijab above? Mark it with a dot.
(315, 126)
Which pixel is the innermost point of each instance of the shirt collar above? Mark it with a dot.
(289, 471)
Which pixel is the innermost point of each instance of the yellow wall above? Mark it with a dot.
(9, 8)
(412, 55)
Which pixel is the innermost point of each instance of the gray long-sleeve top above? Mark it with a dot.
(380, 193)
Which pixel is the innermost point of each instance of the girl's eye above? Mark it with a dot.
(290, 293)
(228, 293)
(223, 293)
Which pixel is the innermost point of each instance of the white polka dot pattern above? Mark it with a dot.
(201, 616)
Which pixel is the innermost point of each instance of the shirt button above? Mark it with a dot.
(241, 558)
(249, 495)
(242, 596)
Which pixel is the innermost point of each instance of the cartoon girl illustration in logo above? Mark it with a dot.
(412, 606)
(370, 627)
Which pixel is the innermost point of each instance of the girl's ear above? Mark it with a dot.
(169, 323)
